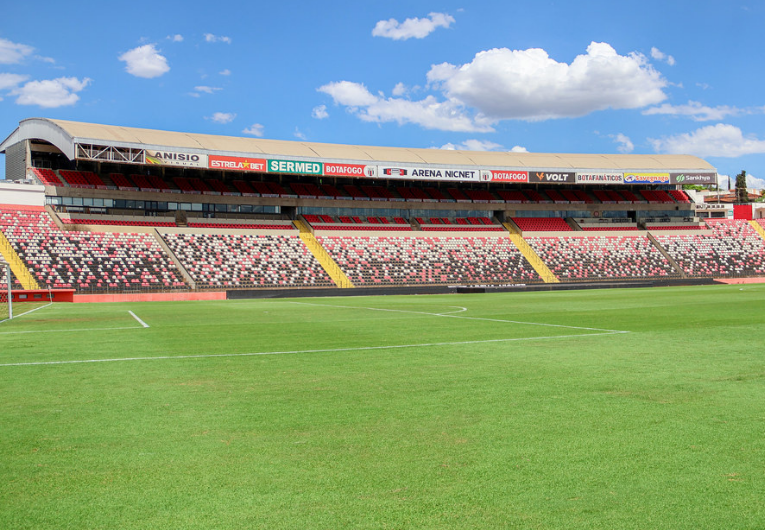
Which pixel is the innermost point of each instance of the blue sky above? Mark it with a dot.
(548, 76)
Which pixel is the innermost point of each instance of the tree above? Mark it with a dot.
(741, 193)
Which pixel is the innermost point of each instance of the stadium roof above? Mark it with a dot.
(66, 135)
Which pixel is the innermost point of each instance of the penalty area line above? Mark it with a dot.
(328, 350)
(144, 324)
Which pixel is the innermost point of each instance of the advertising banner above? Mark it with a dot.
(349, 170)
(548, 177)
(295, 167)
(599, 178)
(235, 163)
(426, 173)
(498, 175)
(693, 178)
(175, 158)
(646, 178)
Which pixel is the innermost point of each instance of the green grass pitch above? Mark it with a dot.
(634, 408)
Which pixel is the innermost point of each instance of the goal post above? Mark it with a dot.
(6, 300)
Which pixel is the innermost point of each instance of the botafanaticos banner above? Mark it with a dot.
(599, 178)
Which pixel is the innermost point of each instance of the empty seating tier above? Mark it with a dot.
(542, 224)
(388, 261)
(733, 248)
(88, 261)
(601, 257)
(219, 261)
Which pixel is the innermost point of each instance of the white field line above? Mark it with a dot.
(65, 330)
(448, 315)
(144, 324)
(27, 312)
(285, 352)
(601, 332)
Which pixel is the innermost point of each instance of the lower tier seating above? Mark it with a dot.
(217, 261)
(733, 249)
(601, 257)
(87, 261)
(380, 261)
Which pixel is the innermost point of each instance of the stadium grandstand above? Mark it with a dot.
(110, 209)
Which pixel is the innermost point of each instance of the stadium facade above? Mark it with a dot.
(109, 209)
(223, 163)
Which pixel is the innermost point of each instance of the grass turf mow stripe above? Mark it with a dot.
(601, 332)
(420, 412)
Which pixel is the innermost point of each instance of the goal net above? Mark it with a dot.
(6, 280)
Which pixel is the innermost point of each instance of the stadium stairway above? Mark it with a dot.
(17, 266)
(170, 254)
(543, 270)
(758, 228)
(322, 256)
(675, 265)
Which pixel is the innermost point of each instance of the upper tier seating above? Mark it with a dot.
(87, 261)
(217, 261)
(244, 188)
(238, 224)
(680, 196)
(437, 195)
(601, 257)
(82, 179)
(733, 249)
(47, 176)
(481, 196)
(96, 220)
(542, 224)
(122, 182)
(385, 261)
(513, 196)
(149, 182)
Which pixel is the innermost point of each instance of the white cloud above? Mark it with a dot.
(298, 134)
(473, 145)
(255, 129)
(753, 182)
(145, 61)
(8, 81)
(209, 37)
(51, 93)
(175, 38)
(428, 113)
(207, 89)
(719, 140)
(417, 28)
(320, 112)
(13, 53)
(222, 117)
(529, 85)
(349, 94)
(518, 149)
(400, 89)
(695, 111)
(625, 144)
(659, 55)
(225, 72)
